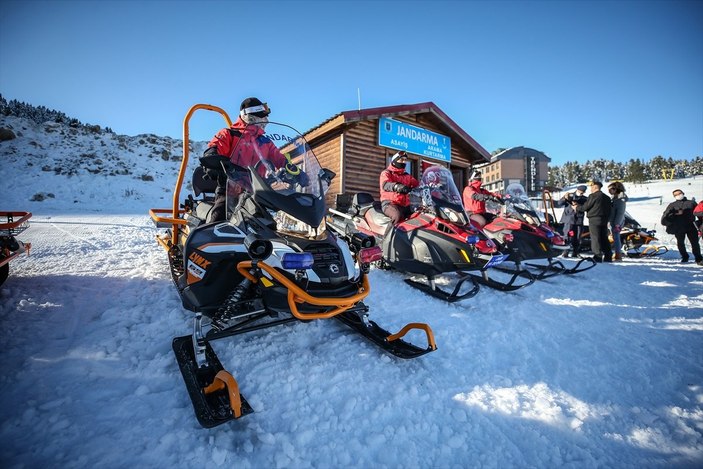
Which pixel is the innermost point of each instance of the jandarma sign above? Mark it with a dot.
(402, 136)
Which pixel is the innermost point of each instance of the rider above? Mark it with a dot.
(571, 219)
(475, 197)
(246, 135)
(395, 183)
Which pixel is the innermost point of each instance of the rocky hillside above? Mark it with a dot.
(45, 160)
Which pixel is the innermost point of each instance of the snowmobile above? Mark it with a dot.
(11, 225)
(635, 240)
(271, 262)
(436, 239)
(522, 236)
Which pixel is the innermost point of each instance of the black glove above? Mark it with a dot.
(400, 188)
(496, 199)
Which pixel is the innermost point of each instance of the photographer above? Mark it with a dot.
(571, 219)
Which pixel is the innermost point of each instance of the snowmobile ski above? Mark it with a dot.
(508, 286)
(542, 272)
(212, 390)
(433, 290)
(647, 251)
(392, 343)
(577, 268)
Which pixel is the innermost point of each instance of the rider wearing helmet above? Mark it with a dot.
(475, 196)
(395, 183)
(243, 144)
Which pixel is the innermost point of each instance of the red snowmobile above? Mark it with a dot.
(523, 236)
(271, 262)
(12, 224)
(436, 239)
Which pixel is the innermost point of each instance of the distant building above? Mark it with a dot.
(526, 166)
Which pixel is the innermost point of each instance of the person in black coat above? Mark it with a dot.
(571, 219)
(678, 219)
(598, 207)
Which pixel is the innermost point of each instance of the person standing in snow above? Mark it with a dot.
(678, 219)
(474, 198)
(395, 184)
(243, 144)
(571, 219)
(598, 208)
(617, 216)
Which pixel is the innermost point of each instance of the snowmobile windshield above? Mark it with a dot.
(439, 192)
(285, 177)
(518, 205)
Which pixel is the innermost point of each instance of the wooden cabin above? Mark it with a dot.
(357, 145)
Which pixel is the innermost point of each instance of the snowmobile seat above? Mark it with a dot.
(343, 202)
(364, 205)
(375, 216)
(361, 202)
(203, 186)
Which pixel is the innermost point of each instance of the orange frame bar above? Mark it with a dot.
(175, 218)
(298, 295)
(24, 216)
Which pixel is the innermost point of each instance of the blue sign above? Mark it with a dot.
(402, 136)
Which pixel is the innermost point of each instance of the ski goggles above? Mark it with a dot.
(262, 110)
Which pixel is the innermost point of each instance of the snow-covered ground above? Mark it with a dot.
(600, 369)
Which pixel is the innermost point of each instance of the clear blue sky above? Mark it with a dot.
(577, 80)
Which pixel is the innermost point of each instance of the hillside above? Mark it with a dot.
(131, 169)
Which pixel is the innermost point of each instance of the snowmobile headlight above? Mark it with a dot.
(288, 224)
(297, 260)
(450, 214)
(369, 255)
(472, 239)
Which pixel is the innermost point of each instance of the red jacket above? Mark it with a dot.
(389, 177)
(698, 211)
(475, 196)
(253, 147)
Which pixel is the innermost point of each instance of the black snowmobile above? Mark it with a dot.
(13, 223)
(436, 239)
(272, 262)
(523, 236)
